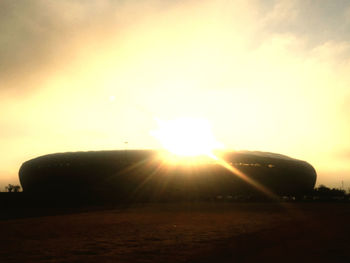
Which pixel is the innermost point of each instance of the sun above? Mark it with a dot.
(186, 137)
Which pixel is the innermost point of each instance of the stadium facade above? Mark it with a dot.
(145, 175)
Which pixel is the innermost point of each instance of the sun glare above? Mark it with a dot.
(186, 137)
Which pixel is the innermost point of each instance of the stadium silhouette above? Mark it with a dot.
(145, 175)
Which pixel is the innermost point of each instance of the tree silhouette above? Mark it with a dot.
(328, 193)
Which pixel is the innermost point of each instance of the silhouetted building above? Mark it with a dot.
(143, 174)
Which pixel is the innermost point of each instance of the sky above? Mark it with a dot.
(91, 75)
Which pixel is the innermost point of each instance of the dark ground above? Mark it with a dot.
(188, 232)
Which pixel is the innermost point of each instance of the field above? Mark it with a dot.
(187, 232)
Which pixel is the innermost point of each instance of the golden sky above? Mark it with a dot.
(90, 75)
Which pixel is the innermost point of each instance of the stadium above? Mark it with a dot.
(148, 175)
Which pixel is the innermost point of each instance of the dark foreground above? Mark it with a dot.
(202, 232)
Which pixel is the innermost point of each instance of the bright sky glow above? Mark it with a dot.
(186, 137)
(90, 75)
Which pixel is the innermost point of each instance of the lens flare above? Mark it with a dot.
(189, 140)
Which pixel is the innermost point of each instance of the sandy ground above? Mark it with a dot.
(202, 232)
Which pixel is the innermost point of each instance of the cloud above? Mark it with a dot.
(316, 23)
(40, 37)
(33, 35)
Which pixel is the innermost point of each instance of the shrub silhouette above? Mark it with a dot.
(12, 188)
